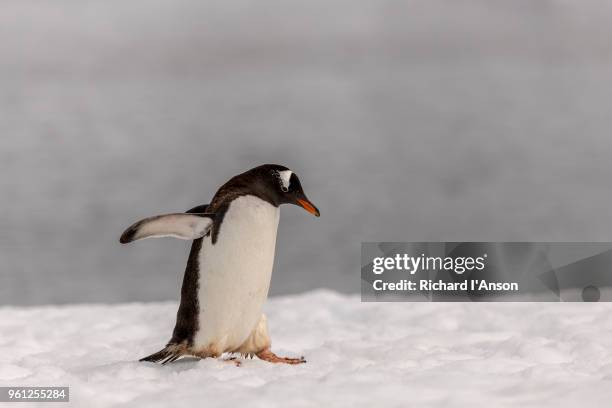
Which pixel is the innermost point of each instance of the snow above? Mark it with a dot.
(359, 354)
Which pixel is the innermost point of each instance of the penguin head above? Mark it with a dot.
(284, 187)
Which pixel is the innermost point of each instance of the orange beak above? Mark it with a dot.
(307, 205)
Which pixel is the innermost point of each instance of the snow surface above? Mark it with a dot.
(359, 354)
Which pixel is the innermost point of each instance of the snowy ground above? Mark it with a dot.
(424, 354)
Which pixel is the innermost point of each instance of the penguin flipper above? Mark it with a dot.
(199, 209)
(178, 225)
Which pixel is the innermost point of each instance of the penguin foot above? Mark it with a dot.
(234, 360)
(269, 356)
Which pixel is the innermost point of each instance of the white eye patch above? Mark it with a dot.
(285, 177)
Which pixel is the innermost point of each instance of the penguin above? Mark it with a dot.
(229, 268)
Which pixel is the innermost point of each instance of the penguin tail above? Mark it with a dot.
(166, 355)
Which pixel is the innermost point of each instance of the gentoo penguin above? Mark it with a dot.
(230, 265)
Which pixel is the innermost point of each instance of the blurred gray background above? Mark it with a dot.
(406, 120)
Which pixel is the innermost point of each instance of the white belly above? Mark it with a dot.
(235, 274)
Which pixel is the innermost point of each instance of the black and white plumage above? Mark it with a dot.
(229, 268)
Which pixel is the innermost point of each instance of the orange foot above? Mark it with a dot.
(268, 355)
(234, 360)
